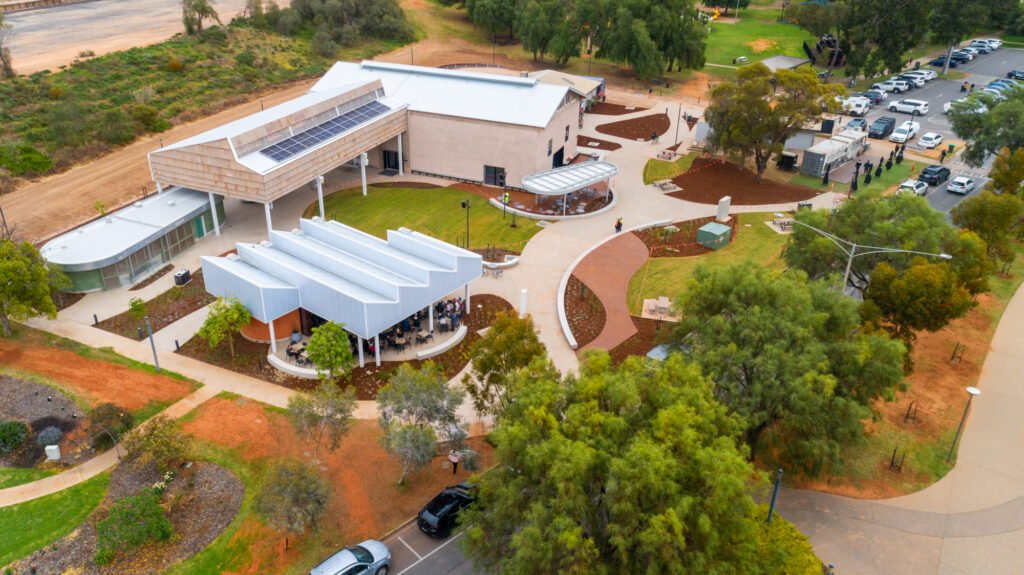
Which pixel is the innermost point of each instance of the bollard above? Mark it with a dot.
(95, 320)
(176, 346)
(138, 330)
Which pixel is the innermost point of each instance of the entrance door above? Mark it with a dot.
(559, 158)
(494, 176)
(390, 160)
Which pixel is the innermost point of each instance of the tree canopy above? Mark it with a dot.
(293, 497)
(952, 21)
(25, 291)
(323, 413)
(226, 318)
(1007, 172)
(994, 217)
(989, 132)
(756, 114)
(509, 345)
(627, 469)
(330, 351)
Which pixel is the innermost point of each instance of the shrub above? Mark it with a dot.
(109, 416)
(50, 435)
(288, 23)
(323, 45)
(149, 118)
(160, 440)
(245, 58)
(132, 521)
(137, 308)
(116, 128)
(175, 65)
(214, 35)
(56, 92)
(12, 435)
(86, 54)
(23, 159)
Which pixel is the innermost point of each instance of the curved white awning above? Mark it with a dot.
(561, 181)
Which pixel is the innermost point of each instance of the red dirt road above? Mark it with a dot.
(607, 271)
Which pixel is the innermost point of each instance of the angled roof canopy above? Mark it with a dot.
(561, 181)
(342, 274)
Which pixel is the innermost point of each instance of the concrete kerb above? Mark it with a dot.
(524, 214)
(564, 283)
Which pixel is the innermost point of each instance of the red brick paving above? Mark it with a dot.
(607, 271)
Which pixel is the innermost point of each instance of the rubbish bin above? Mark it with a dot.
(182, 277)
(917, 65)
(949, 152)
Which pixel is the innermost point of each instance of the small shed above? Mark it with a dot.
(714, 235)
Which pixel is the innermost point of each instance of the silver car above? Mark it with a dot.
(368, 558)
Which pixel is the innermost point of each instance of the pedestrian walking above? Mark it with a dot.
(942, 156)
(654, 137)
(963, 88)
(972, 88)
(618, 225)
(454, 458)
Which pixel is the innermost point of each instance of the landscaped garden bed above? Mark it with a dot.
(584, 311)
(649, 333)
(657, 170)
(638, 128)
(39, 407)
(64, 300)
(163, 310)
(610, 109)
(711, 179)
(591, 142)
(152, 278)
(664, 244)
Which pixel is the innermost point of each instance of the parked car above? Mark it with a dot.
(854, 106)
(982, 47)
(869, 96)
(438, 517)
(929, 140)
(905, 132)
(1015, 74)
(895, 86)
(997, 94)
(881, 127)
(925, 73)
(875, 96)
(970, 50)
(993, 42)
(961, 185)
(913, 107)
(915, 187)
(859, 124)
(975, 107)
(914, 80)
(999, 87)
(934, 175)
(369, 557)
(941, 61)
(966, 56)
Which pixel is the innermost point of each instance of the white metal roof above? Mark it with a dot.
(458, 93)
(561, 181)
(580, 85)
(342, 275)
(118, 234)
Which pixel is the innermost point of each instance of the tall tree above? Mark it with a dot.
(195, 12)
(293, 498)
(26, 287)
(323, 413)
(330, 351)
(1007, 172)
(509, 345)
(924, 297)
(226, 318)
(417, 408)
(6, 63)
(495, 16)
(995, 219)
(987, 133)
(616, 470)
(951, 21)
(160, 440)
(726, 4)
(753, 117)
(538, 25)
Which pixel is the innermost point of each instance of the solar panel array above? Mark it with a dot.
(322, 132)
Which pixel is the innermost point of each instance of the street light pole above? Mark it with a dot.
(971, 392)
(775, 495)
(152, 344)
(465, 204)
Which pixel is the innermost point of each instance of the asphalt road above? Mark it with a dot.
(413, 553)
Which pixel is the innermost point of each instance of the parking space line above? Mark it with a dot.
(421, 559)
(409, 547)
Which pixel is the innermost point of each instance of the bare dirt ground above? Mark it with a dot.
(711, 178)
(610, 109)
(588, 142)
(638, 128)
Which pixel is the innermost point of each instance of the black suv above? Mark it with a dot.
(934, 175)
(437, 518)
(881, 127)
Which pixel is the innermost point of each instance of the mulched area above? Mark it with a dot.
(589, 142)
(251, 357)
(163, 310)
(40, 406)
(637, 128)
(159, 274)
(64, 300)
(710, 179)
(649, 333)
(201, 502)
(609, 109)
(495, 255)
(681, 243)
(584, 311)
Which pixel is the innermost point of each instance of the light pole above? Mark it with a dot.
(775, 495)
(465, 205)
(853, 253)
(152, 344)
(971, 392)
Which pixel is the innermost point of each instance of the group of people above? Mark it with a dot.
(448, 313)
(965, 88)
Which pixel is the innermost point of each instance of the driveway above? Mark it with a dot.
(413, 553)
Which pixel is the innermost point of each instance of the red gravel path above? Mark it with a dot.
(607, 271)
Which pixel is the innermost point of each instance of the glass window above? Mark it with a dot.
(567, 133)
(362, 554)
(549, 146)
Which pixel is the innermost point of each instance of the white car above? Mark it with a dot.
(970, 50)
(981, 47)
(369, 558)
(915, 187)
(855, 106)
(928, 75)
(905, 132)
(914, 107)
(967, 55)
(961, 185)
(993, 42)
(915, 81)
(929, 140)
(977, 106)
(895, 86)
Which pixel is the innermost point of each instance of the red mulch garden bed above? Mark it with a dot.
(681, 243)
(584, 311)
(589, 142)
(609, 109)
(649, 333)
(64, 300)
(709, 179)
(637, 128)
(159, 274)
(496, 255)
(251, 357)
(163, 310)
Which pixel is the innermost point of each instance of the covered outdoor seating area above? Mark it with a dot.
(576, 189)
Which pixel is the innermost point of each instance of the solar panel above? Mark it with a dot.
(324, 131)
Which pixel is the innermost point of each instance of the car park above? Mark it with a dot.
(905, 132)
(1015, 74)
(930, 140)
(961, 185)
(859, 124)
(891, 85)
(995, 43)
(438, 518)
(915, 187)
(913, 107)
(369, 558)
(941, 61)
(914, 80)
(981, 47)
(881, 127)
(934, 175)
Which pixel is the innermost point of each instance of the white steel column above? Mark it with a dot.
(266, 210)
(273, 337)
(359, 342)
(376, 349)
(522, 303)
(320, 194)
(565, 203)
(213, 212)
(467, 299)
(159, 188)
(430, 315)
(363, 160)
(401, 166)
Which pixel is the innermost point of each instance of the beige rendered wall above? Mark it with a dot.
(568, 115)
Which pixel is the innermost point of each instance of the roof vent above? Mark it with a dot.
(266, 243)
(170, 202)
(233, 257)
(405, 230)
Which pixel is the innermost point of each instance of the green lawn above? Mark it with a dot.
(668, 276)
(436, 212)
(890, 178)
(11, 476)
(656, 170)
(29, 526)
(728, 41)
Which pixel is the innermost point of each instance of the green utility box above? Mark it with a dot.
(714, 235)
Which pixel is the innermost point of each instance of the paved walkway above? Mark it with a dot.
(607, 271)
